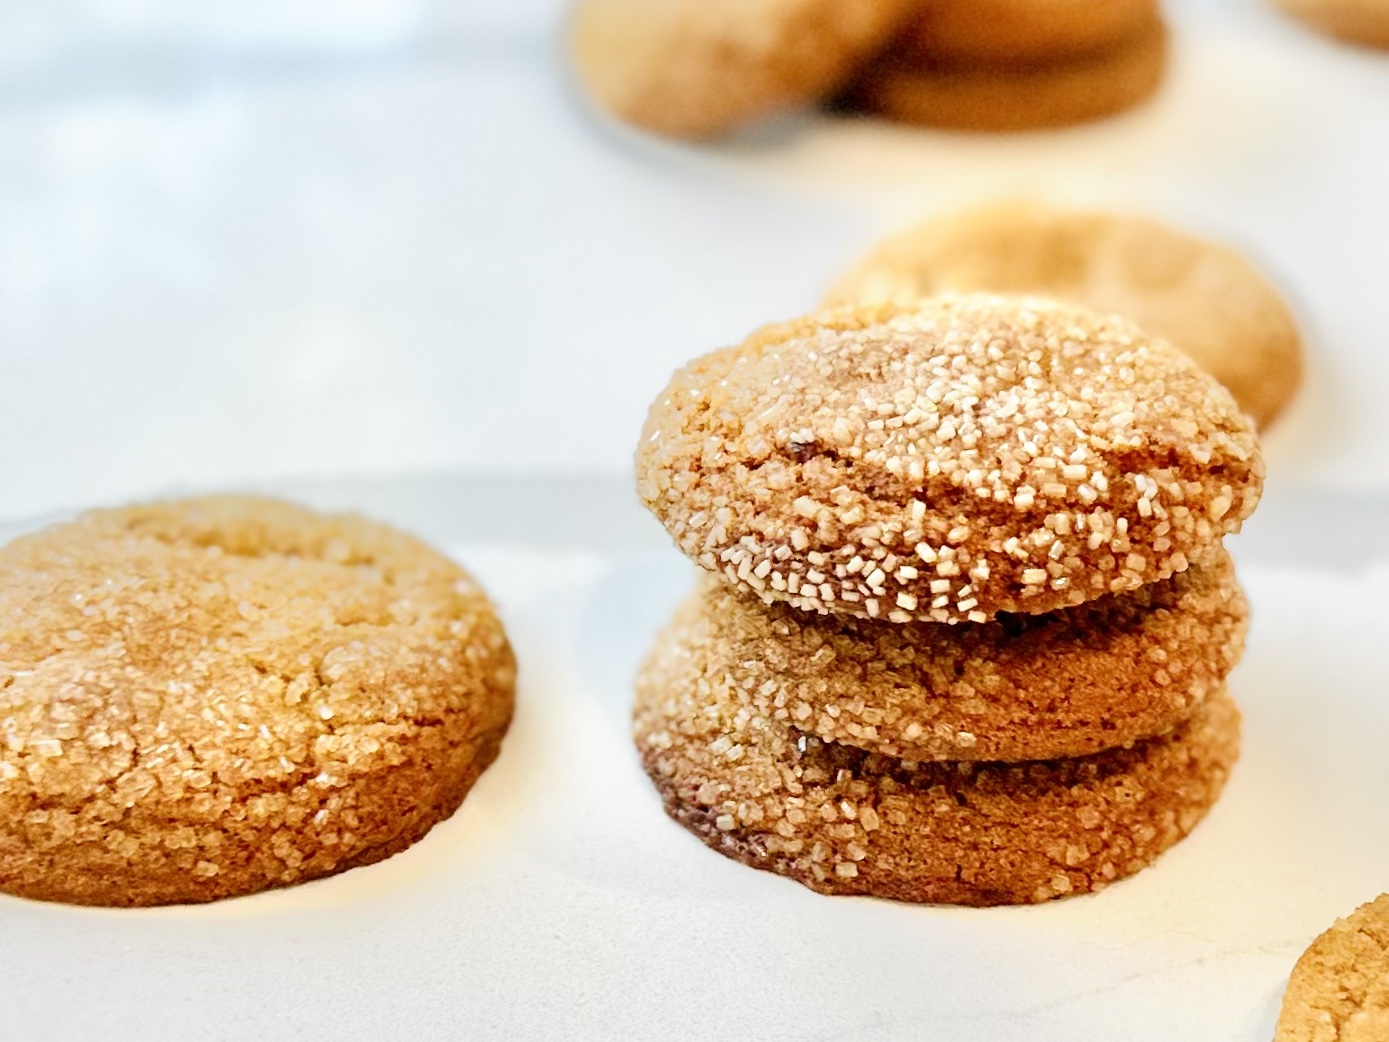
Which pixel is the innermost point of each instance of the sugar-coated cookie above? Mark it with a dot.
(844, 821)
(1204, 298)
(947, 460)
(211, 697)
(1023, 31)
(903, 86)
(699, 68)
(1355, 21)
(1023, 687)
(1339, 989)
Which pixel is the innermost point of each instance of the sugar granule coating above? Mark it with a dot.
(1204, 298)
(947, 460)
(700, 68)
(212, 697)
(1353, 21)
(1022, 687)
(902, 85)
(844, 821)
(1022, 31)
(1339, 989)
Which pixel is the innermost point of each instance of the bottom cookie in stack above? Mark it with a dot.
(847, 754)
(1031, 97)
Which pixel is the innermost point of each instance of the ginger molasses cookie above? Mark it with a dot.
(1355, 21)
(1339, 990)
(1204, 298)
(842, 820)
(212, 697)
(1022, 687)
(1023, 31)
(698, 68)
(905, 86)
(947, 460)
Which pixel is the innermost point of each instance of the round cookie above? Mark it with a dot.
(700, 68)
(905, 87)
(1355, 21)
(844, 821)
(947, 460)
(1202, 297)
(1023, 687)
(1022, 31)
(211, 697)
(1339, 989)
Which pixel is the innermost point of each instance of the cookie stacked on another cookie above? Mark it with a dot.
(704, 68)
(1005, 65)
(968, 618)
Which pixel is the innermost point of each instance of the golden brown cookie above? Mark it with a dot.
(1023, 687)
(699, 68)
(844, 821)
(947, 460)
(1339, 990)
(1204, 298)
(211, 697)
(1355, 21)
(1023, 31)
(905, 87)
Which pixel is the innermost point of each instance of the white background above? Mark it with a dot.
(298, 238)
(279, 241)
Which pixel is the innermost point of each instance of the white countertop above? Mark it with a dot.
(300, 238)
(275, 242)
(560, 903)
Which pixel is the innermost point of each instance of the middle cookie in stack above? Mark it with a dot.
(1047, 480)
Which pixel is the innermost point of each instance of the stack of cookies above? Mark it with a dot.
(1017, 64)
(967, 615)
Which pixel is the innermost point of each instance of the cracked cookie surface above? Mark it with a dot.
(211, 697)
(1023, 687)
(1339, 989)
(947, 460)
(844, 821)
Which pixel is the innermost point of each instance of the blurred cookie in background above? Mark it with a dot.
(1203, 297)
(1354, 21)
(1023, 31)
(909, 88)
(701, 68)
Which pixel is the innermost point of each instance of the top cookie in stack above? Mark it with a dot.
(971, 461)
(948, 460)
